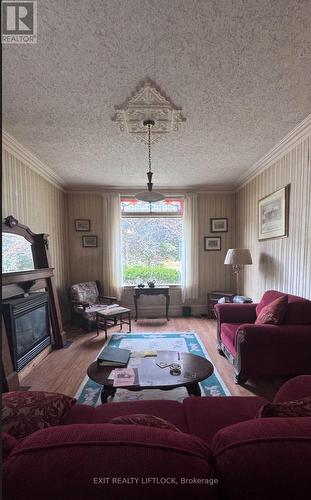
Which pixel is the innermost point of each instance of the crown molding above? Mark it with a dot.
(277, 152)
(132, 191)
(13, 147)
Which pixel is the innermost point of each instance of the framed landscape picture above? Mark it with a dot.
(89, 241)
(212, 243)
(219, 225)
(83, 225)
(273, 215)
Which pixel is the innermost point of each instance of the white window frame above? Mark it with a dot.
(161, 215)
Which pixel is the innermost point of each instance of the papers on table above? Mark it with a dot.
(143, 354)
(123, 377)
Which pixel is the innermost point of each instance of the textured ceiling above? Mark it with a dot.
(239, 69)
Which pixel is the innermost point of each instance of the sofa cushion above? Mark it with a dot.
(274, 312)
(298, 308)
(108, 461)
(264, 459)
(294, 388)
(27, 412)
(296, 408)
(144, 419)
(172, 411)
(8, 444)
(79, 414)
(206, 416)
(228, 335)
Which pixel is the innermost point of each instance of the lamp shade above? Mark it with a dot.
(238, 257)
(149, 196)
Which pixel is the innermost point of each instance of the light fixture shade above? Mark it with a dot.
(238, 257)
(149, 196)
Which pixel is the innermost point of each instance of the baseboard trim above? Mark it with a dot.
(145, 312)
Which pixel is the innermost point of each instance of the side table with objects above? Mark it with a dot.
(213, 298)
(152, 290)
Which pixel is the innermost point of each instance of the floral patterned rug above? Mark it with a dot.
(89, 391)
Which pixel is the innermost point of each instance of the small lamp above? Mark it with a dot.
(238, 258)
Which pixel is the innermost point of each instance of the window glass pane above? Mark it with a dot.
(151, 249)
(16, 253)
(169, 205)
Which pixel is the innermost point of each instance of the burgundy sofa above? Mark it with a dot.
(223, 452)
(265, 350)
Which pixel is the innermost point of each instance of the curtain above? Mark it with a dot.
(112, 251)
(190, 264)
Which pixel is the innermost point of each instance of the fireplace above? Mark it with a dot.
(28, 327)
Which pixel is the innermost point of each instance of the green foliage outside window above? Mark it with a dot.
(151, 249)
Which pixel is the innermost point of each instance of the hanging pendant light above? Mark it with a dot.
(149, 196)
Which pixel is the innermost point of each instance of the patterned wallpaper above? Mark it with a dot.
(40, 205)
(282, 264)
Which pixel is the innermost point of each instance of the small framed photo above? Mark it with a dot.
(83, 225)
(219, 225)
(273, 215)
(89, 241)
(212, 243)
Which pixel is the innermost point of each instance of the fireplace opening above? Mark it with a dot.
(28, 327)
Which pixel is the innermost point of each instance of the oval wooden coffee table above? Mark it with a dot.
(149, 375)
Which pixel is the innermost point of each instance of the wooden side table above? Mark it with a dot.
(212, 299)
(157, 290)
(104, 316)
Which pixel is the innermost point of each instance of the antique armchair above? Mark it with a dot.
(85, 300)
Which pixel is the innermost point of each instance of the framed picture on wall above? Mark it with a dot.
(212, 243)
(89, 241)
(273, 215)
(219, 225)
(83, 225)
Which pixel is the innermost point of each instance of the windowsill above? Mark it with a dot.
(159, 284)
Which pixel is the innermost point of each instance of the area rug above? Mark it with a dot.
(89, 391)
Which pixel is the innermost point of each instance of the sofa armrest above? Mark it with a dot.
(236, 313)
(274, 334)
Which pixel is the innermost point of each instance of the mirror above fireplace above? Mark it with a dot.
(17, 253)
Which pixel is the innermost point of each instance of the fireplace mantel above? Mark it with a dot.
(19, 283)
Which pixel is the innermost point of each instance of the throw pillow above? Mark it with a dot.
(26, 412)
(142, 419)
(297, 408)
(274, 312)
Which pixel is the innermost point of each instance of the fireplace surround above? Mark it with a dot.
(27, 272)
(27, 326)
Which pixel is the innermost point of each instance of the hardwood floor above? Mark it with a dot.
(63, 370)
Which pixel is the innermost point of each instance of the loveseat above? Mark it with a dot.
(222, 452)
(266, 349)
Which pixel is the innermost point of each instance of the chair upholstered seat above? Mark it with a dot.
(89, 313)
(86, 299)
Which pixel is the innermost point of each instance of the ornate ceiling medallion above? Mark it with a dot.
(148, 103)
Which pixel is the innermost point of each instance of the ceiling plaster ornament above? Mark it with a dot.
(148, 103)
